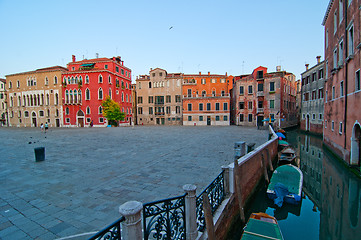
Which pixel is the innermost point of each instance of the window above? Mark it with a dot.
(320, 116)
(189, 118)
(217, 118)
(241, 117)
(326, 38)
(320, 93)
(122, 70)
(225, 118)
(350, 41)
(357, 81)
(341, 10)
(67, 112)
(18, 84)
(177, 98)
(340, 128)
(335, 58)
(250, 117)
(46, 81)
(140, 85)
(100, 94)
(101, 120)
(87, 94)
(200, 118)
(167, 110)
(177, 109)
(117, 69)
(241, 90)
(333, 126)
(335, 22)
(150, 110)
(341, 89)
(200, 107)
(10, 85)
(140, 99)
(313, 77)
(320, 74)
(168, 99)
(272, 86)
(150, 99)
(259, 74)
(217, 106)
(213, 80)
(41, 113)
(87, 110)
(225, 106)
(159, 99)
(349, 2)
(204, 93)
(250, 89)
(208, 106)
(100, 110)
(260, 87)
(189, 107)
(340, 53)
(203, 81)
(260, 104)
(250, 105)
(241, 105)
(140, 110)
(213, 93)
(150, 84)
(67, 120)
(100, 79)
(87, 79)
(189, 92)
(109, 79)
(272, 104)
(313, 116)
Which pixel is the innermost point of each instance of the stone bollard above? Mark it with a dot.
(132, 226)
(226, 179)
(191, 211)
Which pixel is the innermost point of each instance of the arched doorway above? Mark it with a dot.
(80, 118)
(308, 122)
(355, 158)
(33, 118)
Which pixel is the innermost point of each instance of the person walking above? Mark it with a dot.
(42, 127)
(46, 126)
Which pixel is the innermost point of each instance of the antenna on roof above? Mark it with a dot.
(97, 55)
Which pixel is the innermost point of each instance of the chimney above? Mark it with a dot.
(200, 73)
(209, 73)
(73, 58)
(318, 59)
(226, 74)
(278, 68)
(307, 66)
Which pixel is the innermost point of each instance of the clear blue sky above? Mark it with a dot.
(233, 36)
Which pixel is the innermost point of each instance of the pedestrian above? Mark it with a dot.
(91, 123)
(42, 127)
(46, 126)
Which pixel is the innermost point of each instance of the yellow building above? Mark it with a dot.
(35, 97)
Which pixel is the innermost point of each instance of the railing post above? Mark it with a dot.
(132, 226)
(226, 179)
(231, 180)
(191, 211)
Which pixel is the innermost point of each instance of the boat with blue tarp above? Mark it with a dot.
(286, 185)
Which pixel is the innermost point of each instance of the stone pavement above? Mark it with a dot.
(89, 172)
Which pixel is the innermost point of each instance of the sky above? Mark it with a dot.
(189, 36)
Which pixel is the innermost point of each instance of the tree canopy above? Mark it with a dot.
(112, 112)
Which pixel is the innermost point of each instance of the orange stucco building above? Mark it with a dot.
(206, 99)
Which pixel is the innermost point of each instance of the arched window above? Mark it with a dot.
(64, 80)
(10, 84)
(87, 94)
(71, 96)
(76, 80)
(204, 93)
(31, 100)
(80, 79)
(24, 101)
(110, 92)
(100, 110)
(88, 110)
(47, 99)
(55, 80)
(79, 96)
(122, 97)
(56, 98)
(28, 100)
(126, 97)
(75, 96)
(38, 99)
(87, 79)
(110, 79)
(42, 99)
(46, 81)
(72, 80)
(67, 110)
(69, 80)
(11, 101)
(35, 101)
(100, 79)
(66, 96)
(19, 101)
(48, 113)
(100, 94)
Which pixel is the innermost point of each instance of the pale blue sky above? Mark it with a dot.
(233, 36)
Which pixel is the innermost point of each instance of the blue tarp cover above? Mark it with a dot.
(281, 192)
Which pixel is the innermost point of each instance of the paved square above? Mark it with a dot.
(89, 172)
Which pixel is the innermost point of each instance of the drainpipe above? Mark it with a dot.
(346, 70)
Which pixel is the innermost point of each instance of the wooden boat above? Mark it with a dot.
(262, 226)
(286, 156)
(286, 185)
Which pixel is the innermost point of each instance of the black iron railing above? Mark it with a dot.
(112, 231)
(216, 194)
(165, 219)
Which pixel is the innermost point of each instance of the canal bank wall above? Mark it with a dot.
(251, 171)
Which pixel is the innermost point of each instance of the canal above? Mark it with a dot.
(331, 206)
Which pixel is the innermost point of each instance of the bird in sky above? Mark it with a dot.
(170, 27)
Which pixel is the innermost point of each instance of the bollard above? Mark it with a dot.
(39, 154)
(191, 211)
(131, 227)
(250, 147)
(239, 149)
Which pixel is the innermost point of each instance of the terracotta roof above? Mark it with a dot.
(47, 69)
(3, 80)
(327, 12)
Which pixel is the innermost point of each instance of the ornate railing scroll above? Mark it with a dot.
(216, 194)
(165, 219)
(111, 232)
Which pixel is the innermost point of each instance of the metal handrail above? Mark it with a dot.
(113, 231)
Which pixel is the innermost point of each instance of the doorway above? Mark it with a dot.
(57, 122)
(260, 121)
(307, 123)
(208, 120)
(33, 116)
(80, 118)
(355, 158)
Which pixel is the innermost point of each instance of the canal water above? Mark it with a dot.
(331, 206)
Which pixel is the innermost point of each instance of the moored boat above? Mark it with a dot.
(262, 226)
(286, 185)
(286, 156)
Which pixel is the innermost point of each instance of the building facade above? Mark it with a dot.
(342, 125)
(206, 99)
(262, 95)
(87, 83)
(312, 91)
(3, 102)
(35, 97)
(159, 98)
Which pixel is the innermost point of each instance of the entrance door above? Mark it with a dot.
(259, 121)
(208, 120)
(162, 120)
(355, 158)
(57, 122)
(158, 121)
(34, 119)
(80, 118)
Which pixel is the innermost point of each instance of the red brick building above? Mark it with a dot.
(88, 83)
(262, 95)
(342, 126)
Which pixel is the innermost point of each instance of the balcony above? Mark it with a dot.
(225, 95)
(260, 94)
(259, 110)
(159, 113)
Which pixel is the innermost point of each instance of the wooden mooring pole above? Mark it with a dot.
(208, 217)
(238, 189)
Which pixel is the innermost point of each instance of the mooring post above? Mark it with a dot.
(191, 211)
(208, 217)
(226, 179)
(238, 189)
(132, 226)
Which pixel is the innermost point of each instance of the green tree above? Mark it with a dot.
(112, 112)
